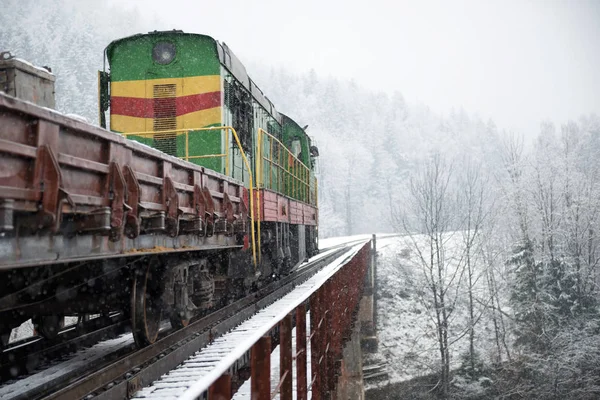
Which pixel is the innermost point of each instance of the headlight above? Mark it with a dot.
(163, 52)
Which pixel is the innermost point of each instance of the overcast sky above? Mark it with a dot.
(518, 62)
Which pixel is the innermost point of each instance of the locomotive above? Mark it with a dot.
(202, 192)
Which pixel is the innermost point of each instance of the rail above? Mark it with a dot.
(188, 157)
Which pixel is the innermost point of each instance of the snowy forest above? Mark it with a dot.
(500, 228)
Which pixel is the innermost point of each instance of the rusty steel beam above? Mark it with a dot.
(301, 388)
(325, 337)
(285, 357)
(221, 388)
(374, 272)
(260, 369)
(315, 348)
(330, 356)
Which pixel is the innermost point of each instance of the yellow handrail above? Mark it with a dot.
(297, 180)
(237, 140)
(258, 172)
(187, 157)
(187, 131)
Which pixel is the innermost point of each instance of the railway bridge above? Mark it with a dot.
(308, 344)
(300, 336)
(304, 339)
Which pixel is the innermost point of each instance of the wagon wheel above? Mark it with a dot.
(48, 326)
(146, 306)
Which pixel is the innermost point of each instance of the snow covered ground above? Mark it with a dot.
(334, 241)
(405, 316)
(25, 330)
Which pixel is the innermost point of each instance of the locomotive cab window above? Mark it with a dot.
(296, 148)
(238, 100)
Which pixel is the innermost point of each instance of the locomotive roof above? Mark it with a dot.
(227, 59)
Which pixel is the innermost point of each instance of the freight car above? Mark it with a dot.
(202, 192)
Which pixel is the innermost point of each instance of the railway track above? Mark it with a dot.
(24, 356)
(116, 369)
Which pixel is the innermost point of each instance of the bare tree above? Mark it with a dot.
(348, 193)
(513, 160)
(490, 257)
(431, 213)
(475, 209)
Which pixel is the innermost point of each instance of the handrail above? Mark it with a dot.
(237, 140)
(299, 176)
(187, 131)
(258, 172)
(262, 131)
(187, 157)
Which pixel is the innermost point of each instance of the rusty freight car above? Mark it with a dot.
(90, 221)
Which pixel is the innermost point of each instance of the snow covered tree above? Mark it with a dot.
(431, 212)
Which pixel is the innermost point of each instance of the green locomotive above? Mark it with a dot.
(190, 97)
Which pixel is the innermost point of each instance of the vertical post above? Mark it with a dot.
(221, 388)
(260, 369)
(331, 327)
(326, 370)
(301, 352)
(227, 149)
(293, 171)
(257, 161)
(271, 167)
(374, 274)
(187, 145)
(315, 350)
(285, 357)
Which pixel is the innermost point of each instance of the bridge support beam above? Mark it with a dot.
(363, 337)
(350, 382)
(368, 305)
(335, 357)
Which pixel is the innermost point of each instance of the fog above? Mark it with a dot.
(412, 107)
(516, 62)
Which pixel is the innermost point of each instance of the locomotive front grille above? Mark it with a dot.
(165, 118)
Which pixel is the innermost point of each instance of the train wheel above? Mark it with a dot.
(48, 326)
(146, 307)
